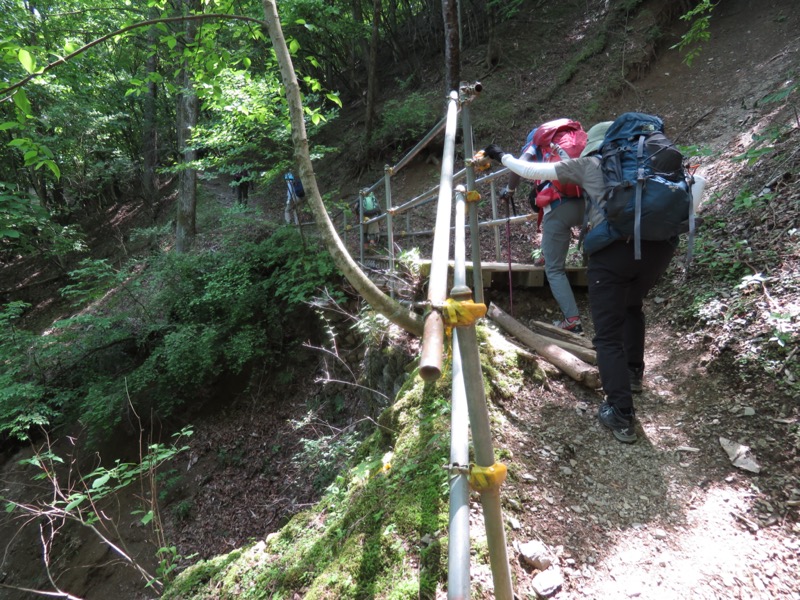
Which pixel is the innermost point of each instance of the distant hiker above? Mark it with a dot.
(294, 192)
(242, 183)
(560, 207)
(618, 280)
(370, 209)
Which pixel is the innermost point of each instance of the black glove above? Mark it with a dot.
(507, 194)
(494, 152)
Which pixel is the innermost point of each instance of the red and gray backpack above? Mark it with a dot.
(558, 140)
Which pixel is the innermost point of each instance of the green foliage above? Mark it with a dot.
(102, 482)
(590, 49)
(746, 200)
(407, 119)
(80, 501)
(692, 41)
(93, 278)
(23, 396)
(786, 92)
(183, 510)
(757, 149)
(506, 9)
(693, 150)
(20, 219)
(326, 455)
(170, 332)
(371, 325)
(723, 259)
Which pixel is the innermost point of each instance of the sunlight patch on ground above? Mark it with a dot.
(709, 556)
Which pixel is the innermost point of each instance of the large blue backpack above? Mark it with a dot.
(647, 189)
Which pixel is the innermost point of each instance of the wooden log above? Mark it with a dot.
(552, 331)
(567, 362)
(571, 342)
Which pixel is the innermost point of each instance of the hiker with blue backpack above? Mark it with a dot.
(639, 201)
(560, 207)
(294, 192)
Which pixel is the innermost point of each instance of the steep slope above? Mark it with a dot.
(669, 517)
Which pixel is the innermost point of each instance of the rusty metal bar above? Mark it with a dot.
(433, 335)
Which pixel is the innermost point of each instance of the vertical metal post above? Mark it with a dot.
(458, 550)
(479, 419)
(458, 576)
(475, 238)
(433, 332)
(484, 457)
(361, 226)
(389, 226)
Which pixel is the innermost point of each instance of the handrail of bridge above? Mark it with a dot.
(465, 341)
(467, 388)
(431, 355)
(466, 95)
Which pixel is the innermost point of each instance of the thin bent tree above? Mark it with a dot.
(385, 305)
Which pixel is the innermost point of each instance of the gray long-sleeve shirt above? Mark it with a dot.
(584, 172)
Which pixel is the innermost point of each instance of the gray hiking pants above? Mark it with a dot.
(557, 227)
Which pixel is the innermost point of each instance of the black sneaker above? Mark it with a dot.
(621, 426)
(636, 380)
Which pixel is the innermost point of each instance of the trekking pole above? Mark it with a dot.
(508, 241)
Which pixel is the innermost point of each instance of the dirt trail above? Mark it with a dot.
(670, 517)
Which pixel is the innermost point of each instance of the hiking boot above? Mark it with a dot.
(636, 380)
(572, 324)
(621, 425)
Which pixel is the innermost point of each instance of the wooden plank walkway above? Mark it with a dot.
(522, 275)
(495, 274)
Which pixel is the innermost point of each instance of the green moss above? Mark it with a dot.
(377, 532)
(590, 49)
(197, 581)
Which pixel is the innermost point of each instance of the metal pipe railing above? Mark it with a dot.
(466, 127)
(484, 457)
(458, 563)
(389, 228)
(422, 143)
(479, 415)
(494, 223)
(433, 330)
(458, 574)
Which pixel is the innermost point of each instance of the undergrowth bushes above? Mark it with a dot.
(173, 326)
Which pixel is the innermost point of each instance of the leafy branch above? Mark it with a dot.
(78, 500)
(27, 60)
(691, 41)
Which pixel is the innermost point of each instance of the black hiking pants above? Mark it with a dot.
(617, 287)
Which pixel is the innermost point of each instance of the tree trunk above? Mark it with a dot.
(492, 47)
(379, 301)
(149, 131)
(372, 73)
(452, 53)
(359, 51)
(187, 188)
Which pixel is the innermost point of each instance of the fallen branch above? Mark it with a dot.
(558, 334)
(550, 349)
